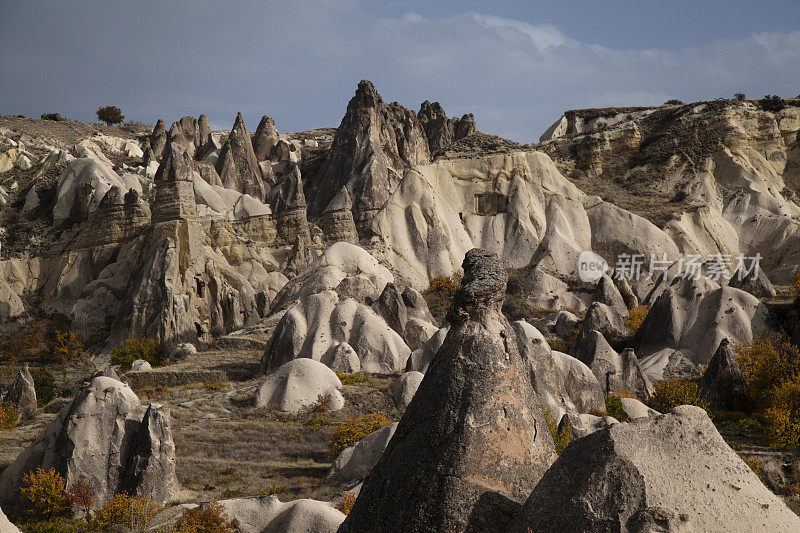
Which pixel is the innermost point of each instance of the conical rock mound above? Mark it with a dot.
(473, 440)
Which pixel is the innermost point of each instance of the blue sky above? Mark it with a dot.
(516, 65)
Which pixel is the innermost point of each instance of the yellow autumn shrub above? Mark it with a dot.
(783, 416)
(43, 490)
(123, 509)
(353, 430)
(561, 437)
(766, 363)
(673, 392)
(637, 316)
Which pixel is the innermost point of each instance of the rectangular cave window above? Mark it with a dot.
(490, 203)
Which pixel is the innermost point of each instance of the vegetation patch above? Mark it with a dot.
(151, 350)
(353, 430)
(673, 392)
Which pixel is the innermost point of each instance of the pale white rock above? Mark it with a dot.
(296, 385)
(636, 409)
(267, 514)
(6, 162)
(140, 365)
(5, 524)
(23, 163)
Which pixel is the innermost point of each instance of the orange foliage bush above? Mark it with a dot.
(44, 492)
(353, 430)
(209, 518)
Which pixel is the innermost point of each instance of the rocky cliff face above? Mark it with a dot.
(373, 146)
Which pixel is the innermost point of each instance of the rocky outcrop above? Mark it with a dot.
(757, 284)
(373, 146)
(616, 373)
(671, 473)
(337, 221)
(694, 315)
(723, 383)
(441, 131)
(354, 463)
(5, 524)
(22, 394)
(473, 440)
(267, 514)
(562, 383)
(296, 386)
(289, 206)
(107, 437)
(265, 137)
(158, 138)
(237, 165)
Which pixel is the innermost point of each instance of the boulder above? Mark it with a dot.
(670, 473)
(636, 409)
(355, 462)
(140, 365)
(108, 437)
(669, 364)
(723, 383)
(267, 514)
(600, 317)
(583, 424)
(473, 440)
(421, 358)
(404, 388)
(417, 332)
(182, 351)
(22, 394)
(342, 358)
(296, 385)
(391, 307)
(565, 324)
(416, 306)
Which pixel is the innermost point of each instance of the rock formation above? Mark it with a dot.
(671, 473)
(296, 385)
(158, 138)
(694, 315)
(405, 387)
(723, 382)
(337, 221)
(289, 206)
(620, 373)
(237, 165)
(22, 394)
(441, 131)
(267, 514)
(108, 437)
(355, 462)
(473, 440)
(265, 137)
(373, 146)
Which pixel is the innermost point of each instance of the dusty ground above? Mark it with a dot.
(226, 447)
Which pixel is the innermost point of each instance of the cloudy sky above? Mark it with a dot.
(516, 65)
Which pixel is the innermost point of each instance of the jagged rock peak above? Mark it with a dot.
(373, 146)
(158, 139)
(265, 137)
(723, 382)
(290, 193)
(175, 165)
(482, 289)
(440, 130)
(237, 165)
(112, 197)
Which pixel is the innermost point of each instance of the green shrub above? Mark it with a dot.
(45, 385)
(772, 102)
(766, 363)
(561, 437)
(151, 350)
(353, 430)
(673, 392)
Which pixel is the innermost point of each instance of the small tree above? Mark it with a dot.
(739, 96)
(673, 102)
(772, 102)
(110, 114)
(81, 495)
(44, 492)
